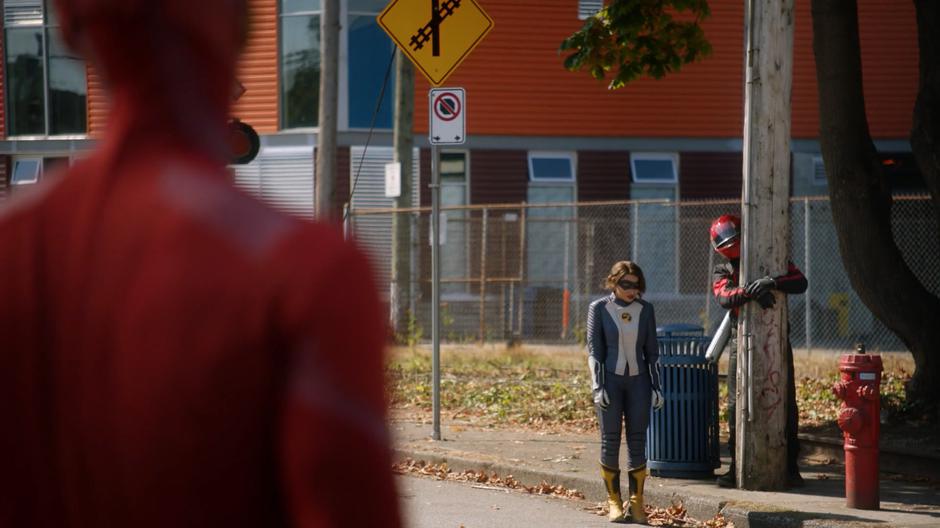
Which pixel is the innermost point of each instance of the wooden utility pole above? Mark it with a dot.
(325, 176)
(403, 140)
(762, 366)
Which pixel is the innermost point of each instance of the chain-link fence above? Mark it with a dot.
(526, 272)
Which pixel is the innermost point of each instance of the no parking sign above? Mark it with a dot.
(448, 116)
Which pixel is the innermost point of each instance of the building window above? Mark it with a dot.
(46, 89)
(27, 171)
(364, 58)
(551, 166)
(369, 52)
(300, 63)
(819, 171)
(453, 178)
(652, 167)
(588, 8)
(550, 241)
(457, 226)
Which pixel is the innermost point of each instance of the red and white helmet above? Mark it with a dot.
(726, 236)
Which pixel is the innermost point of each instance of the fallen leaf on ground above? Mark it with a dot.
(676, 515)
(442, 472)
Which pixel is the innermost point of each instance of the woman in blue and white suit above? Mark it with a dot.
(624, 361)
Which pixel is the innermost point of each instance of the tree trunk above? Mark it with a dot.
(861, 199)
(925, 142)
(925, 132)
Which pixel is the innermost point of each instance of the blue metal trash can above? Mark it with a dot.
(682, 441)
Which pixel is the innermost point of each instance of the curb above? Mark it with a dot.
(903, 461)
(742, 514)
(593, 491)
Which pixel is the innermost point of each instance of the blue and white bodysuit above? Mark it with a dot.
(621, 337)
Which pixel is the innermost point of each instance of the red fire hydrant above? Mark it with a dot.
(859, 418)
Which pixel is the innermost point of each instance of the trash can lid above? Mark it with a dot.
(680, 328)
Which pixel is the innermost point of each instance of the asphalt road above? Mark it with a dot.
(429, 503)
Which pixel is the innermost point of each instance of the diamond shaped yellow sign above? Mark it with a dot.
(437, 35)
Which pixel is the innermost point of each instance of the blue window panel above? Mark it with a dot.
(551, 169)
(300, 71)
(370, 50)
(653, 170)
(25, 171)
(68, 88)
(25, 78)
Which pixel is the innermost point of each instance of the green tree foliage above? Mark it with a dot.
(639, 37)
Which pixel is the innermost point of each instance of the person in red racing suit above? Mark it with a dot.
(725, 235)
(175, 353)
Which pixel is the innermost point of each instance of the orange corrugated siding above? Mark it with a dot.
(888, 34)
(98, 103)
(888, 31)
(804, 113)
(516, 85)
(258, 69)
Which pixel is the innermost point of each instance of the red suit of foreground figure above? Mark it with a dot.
(172, 352)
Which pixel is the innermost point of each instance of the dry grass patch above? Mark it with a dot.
(549, 386)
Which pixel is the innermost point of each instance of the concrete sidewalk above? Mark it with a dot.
(571, 461)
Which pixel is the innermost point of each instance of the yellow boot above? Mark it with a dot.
(614, 500)
(637, 477)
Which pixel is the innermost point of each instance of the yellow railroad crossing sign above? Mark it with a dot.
(437, 35)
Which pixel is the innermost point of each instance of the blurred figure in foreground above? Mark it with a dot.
(172, 352)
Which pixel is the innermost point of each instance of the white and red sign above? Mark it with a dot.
(448, 116)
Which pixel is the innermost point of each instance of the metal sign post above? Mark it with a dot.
(447, 113)
(460, 25)
(435, 292)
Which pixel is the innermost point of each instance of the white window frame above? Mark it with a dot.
(570, 156)
(654, 156)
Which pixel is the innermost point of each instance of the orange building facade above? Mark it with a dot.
(535, 131)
